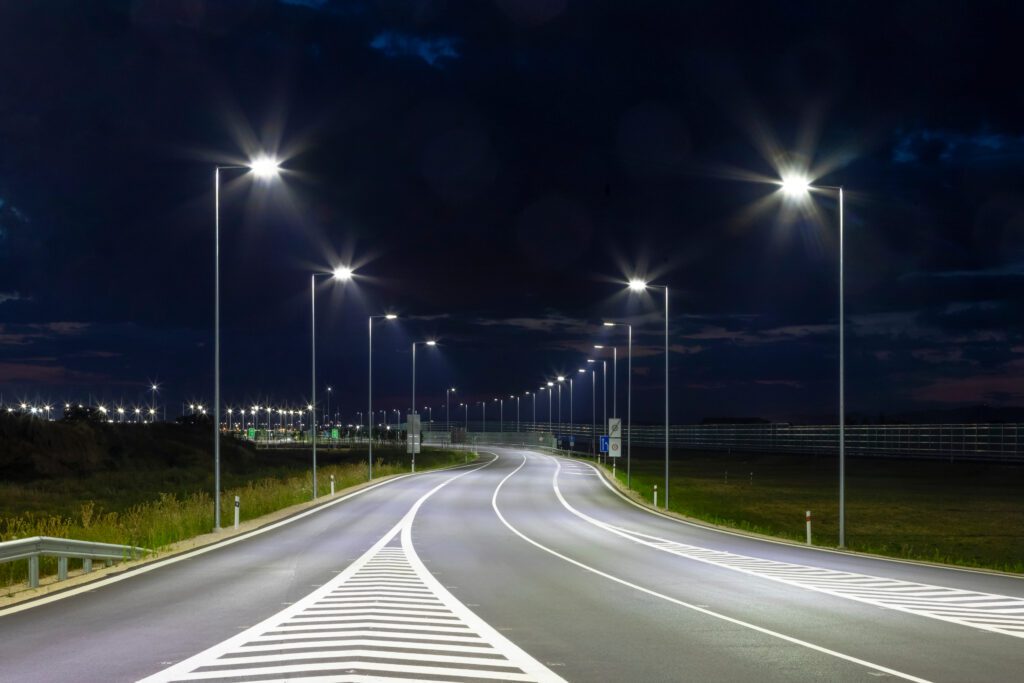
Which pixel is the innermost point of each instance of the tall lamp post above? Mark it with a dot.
(153, 388)
(561, 380)
(593, 405)
(428, 342)
(263, 167)
(341, 274)
(638, 285)
(447, 415)
(517, 413)
(572, 434)
(551, 428)
(369, 391)
(327, 415)
(629, 399)
(583, 371)
(799, 188)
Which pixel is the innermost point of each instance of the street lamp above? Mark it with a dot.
(153, 387)
(551, 428)
(341, 274)
(484, 415)
(262, 167)
(428, 342)
(447, 415)
(328, 413)
(572, 434)
(593, 406)
(501, 414)
(629, 400)
(369, 392)
(517, 412)
(798, 188)
(638, 285)
(560, 379)
(615, 379)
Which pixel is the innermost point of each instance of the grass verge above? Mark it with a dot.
(959, 513)
(177, 507)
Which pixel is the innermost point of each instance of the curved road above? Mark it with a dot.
(521, 567)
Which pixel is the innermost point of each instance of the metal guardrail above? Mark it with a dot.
(63, 548)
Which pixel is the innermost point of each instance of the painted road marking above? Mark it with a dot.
(384, 618)
(687, 605)
(986, 611)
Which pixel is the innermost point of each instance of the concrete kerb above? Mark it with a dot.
(49, 585)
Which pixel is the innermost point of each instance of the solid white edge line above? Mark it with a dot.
(792, 544)
(874, 600)
(210, 654)
(516, 655)
(189, 554)
(681, 603)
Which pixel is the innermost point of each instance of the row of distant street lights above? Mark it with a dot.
(795, 187)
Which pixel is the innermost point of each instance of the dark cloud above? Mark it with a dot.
(490, 165)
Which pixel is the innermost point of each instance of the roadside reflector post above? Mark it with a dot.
(808, 527)
(613, 469)
(237, 508)
(655, 495)
(332, 484)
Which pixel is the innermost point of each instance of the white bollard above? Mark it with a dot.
(613, 469)
(237, 504)
(655, 495)
(332, 484)
(808, 527)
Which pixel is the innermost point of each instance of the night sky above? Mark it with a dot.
(495, 170)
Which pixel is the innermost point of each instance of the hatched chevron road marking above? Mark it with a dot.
(986, 611)
(384, 618)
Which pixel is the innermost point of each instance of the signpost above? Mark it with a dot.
(604, 443)
(334, 433)
(614, 437)
(252, 433)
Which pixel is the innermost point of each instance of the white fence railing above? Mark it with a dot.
(991, 442)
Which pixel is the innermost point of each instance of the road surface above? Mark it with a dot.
(520, 567)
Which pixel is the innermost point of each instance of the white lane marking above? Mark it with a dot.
(160, 564)
(358, 626)
(691, 606)
(791, 544)
(910, 597)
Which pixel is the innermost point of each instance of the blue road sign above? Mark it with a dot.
(604, 443)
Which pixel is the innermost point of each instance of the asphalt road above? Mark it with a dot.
(523, 567)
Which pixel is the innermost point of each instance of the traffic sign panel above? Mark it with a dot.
(604, 443)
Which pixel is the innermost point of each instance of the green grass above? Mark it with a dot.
(155, 508)
(967, 514)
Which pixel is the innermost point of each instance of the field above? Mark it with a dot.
(152, 486)
(968, 514)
